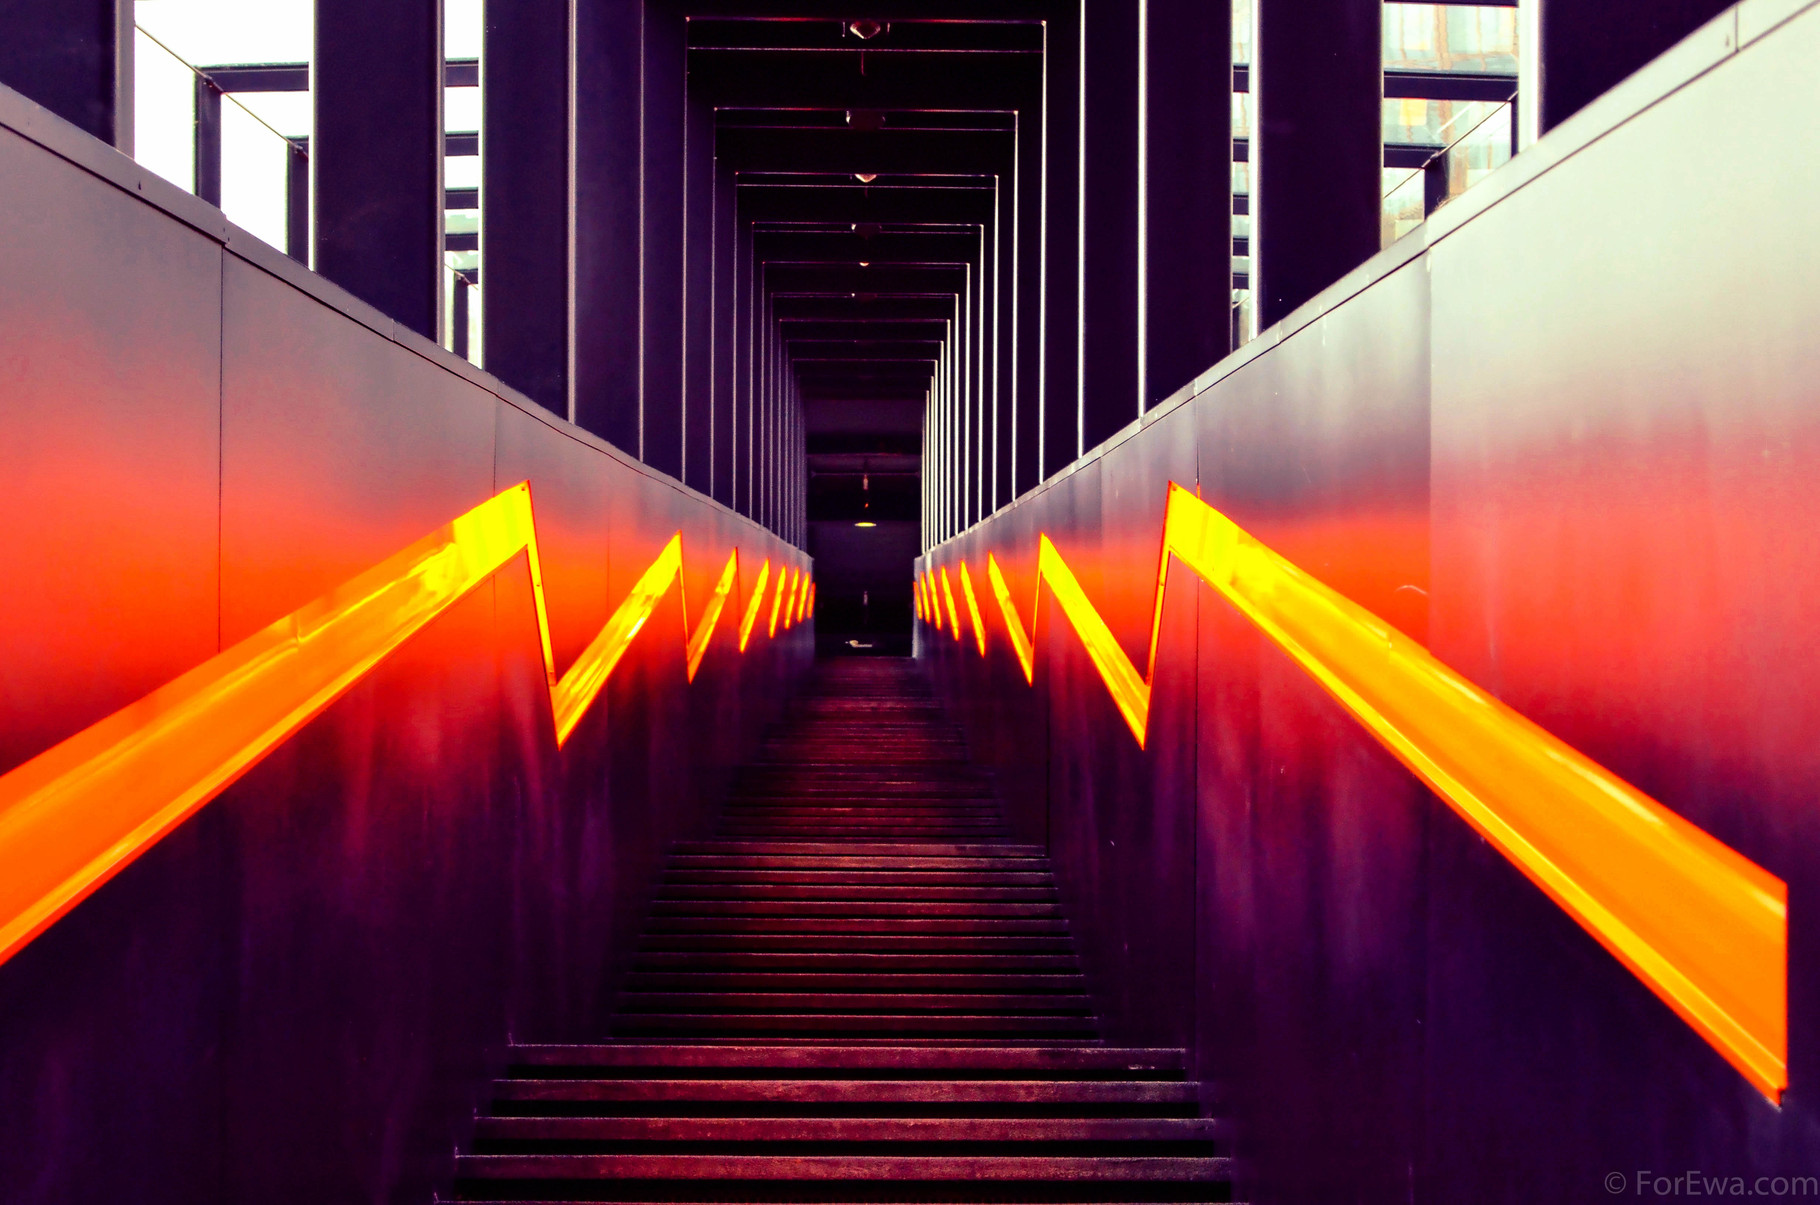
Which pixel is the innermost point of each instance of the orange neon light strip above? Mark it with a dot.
(916, 587)
(793, 606)
(954, 618)
(811, 600)
(704, 628)
(753, 604)
(935, 601)
(78, 813)
(1022, 645)
(1705, 928)
(777, 599)
(973, 608)
(802, 601)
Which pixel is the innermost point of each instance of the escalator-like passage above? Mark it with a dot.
(859, 990)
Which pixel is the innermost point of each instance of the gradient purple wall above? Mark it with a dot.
(1568, 433)
(296, 995)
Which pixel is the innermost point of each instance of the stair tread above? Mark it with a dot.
(848, 1167)
(860, 978)
(851, 1129)
(861, 1091)
(914, 1058)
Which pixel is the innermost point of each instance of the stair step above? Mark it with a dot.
(763, 940)
(984, 926)
(955, 1093)
(888, 964)
(849, 1129)
(800, 982)
(884, 1024)
(908, 908)
(922, 893)
(971, 1003)
(842, 1167)
(838, 862)
(859, 989)
(938, 1063)
(996, 850)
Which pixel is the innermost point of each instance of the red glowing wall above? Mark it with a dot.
(1567, 436)
(295, 993)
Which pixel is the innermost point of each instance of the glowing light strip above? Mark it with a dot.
(811, 600)
(954, 618)
(916, 586)
(777, 600)
(1021, 644)
(704, 628)
(78, 813)
(802, 600)
(753, 604)
(973, 608)
(1705, 928)
(588, 676)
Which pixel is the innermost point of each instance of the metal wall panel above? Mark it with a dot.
(1625, 451)
(1569, 442)
(296, 994)
(339, 447)
(109, 338)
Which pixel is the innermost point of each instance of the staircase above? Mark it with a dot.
(860, 990)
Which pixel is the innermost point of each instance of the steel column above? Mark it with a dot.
(1110, 161)
(206, 143)
(1317, 152)
(376, 155)
(607, 314)
(524, 216)
(661, 200)
(74, 57)
(1587, 46)
(1060, 329)
(722, 342)
(697, 398)
(1185, 181)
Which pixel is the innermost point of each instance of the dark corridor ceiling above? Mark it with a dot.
(871, 158)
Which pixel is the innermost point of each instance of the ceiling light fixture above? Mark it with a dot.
(865, 523)
(865, 177)
(866, 30)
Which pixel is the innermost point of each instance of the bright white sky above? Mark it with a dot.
(212, 33)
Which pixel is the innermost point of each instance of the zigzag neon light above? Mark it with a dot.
(1705, 928)
(75, 815)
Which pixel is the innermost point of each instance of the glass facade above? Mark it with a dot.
(1451, 37)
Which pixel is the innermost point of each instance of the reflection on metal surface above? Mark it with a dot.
(1021, 643)
(802, 599)
(785, 578)
(1705, 928)
(710, 616)
(588, 676)
(74, 816)
(954, 618)
(756, 601)
(973, 608)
